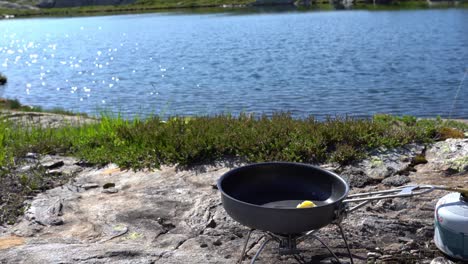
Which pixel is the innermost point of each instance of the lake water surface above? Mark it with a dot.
(319, 63)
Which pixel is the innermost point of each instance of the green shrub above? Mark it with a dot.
(14, 104)
(149, 143)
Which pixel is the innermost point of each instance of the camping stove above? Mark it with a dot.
(287, 244)
(264, 196)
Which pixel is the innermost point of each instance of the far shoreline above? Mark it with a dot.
(212, 8)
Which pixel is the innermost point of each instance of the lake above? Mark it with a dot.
(308, 63)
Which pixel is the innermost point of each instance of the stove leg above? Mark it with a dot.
(346, 243)
(327, 247)
(260, 250)
(300, 259)
(245, 246)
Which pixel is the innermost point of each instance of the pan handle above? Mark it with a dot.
(402, 192)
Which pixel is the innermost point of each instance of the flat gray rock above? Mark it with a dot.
(175, 215)
(449, 156)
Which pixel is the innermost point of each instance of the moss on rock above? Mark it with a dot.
(460, 164)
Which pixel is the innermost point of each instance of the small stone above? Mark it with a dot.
(54, 172)
(405, 239)
(31, 155)
(53, 164)
(56, 221)
(394, 247)
(397, 180)
(211, 224)
(24, 168)
(110, 190)
(203, 245)
(441, 260)
(373, 255)
(83, 163)
(108, 185)
(386, 257)
(217, 243)
(88, 186)
(414, 251)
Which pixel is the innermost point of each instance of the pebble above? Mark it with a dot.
(405, 239)
(56, 221)
(373, 255)
(88, 186)
(108, 185)
(54, 172)
(441, 260)
(53, 164)
(31, 155)
(211, 224)
(24, 168)
(110, 190)
(386, 257)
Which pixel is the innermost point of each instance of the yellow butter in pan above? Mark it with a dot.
(306, 204)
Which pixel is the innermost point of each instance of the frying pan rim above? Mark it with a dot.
(286, 163)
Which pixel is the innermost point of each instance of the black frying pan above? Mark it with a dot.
(264, 196)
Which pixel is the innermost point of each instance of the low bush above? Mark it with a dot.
(151, 142)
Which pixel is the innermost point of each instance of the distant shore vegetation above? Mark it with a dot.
(209, 6)
(152, 142)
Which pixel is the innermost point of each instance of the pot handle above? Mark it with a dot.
(402, 192)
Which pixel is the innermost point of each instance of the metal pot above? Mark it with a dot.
(264, 196)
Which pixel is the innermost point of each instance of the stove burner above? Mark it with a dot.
(287, 244)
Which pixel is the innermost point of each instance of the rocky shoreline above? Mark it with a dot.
(44, 119)
(174, 215)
